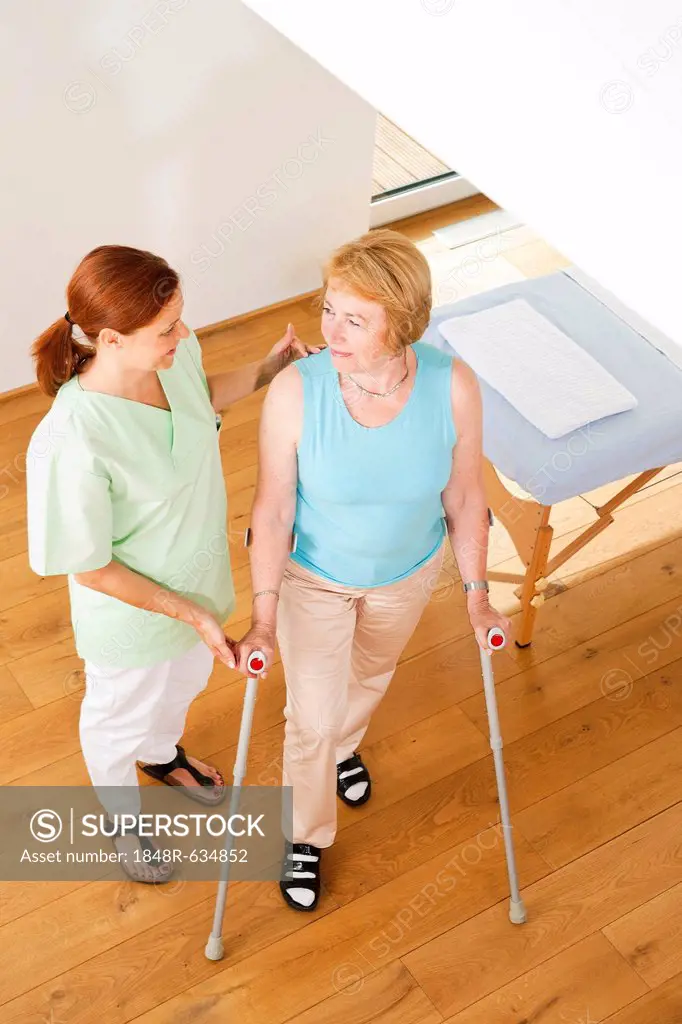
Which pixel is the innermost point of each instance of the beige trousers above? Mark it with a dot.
(339, 647)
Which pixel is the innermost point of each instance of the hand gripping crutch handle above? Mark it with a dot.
(496, 640)
(255, 664)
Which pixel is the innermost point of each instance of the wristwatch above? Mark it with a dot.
(475, 585)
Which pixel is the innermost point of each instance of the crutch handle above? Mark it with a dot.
(255, 663)
(496, 638)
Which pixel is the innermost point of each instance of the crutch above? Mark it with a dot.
(254, 666)
(496, 641)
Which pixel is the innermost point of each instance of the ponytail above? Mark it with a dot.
(58, 356)
(114, 286)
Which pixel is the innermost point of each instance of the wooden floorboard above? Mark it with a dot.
(662, 1006)
(586, 982)
(649, 937)
(412, 926)
(475, 958)
(399, 160)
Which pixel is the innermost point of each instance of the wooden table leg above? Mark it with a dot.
(535, 571)
(527, 523)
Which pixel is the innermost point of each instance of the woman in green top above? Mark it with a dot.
(126, 497)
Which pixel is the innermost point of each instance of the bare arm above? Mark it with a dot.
(139, 591)
(274, 506)
(229, 387)
(464, 498)
(465, 502)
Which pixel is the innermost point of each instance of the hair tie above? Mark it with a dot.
(68, 318)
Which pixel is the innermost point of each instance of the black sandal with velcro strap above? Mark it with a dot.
(149, 869)
(348, 773)
(301, 871)
(207, 792)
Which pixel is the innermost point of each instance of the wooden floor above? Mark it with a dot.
(399, 160)
(412, 927)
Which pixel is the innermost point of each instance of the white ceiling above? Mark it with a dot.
(565, 112)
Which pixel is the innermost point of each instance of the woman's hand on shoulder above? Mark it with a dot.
(288, 349)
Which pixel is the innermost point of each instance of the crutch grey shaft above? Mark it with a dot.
(214, 947)
(497, 640)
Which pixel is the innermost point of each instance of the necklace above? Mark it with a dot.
(380, 394)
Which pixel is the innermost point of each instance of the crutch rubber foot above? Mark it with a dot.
(517, 912)
(214, 948)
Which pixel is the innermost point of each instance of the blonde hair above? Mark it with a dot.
(386, 267)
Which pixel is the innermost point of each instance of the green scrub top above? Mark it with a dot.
(110, 478)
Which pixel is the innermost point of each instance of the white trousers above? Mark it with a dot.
(136, 714)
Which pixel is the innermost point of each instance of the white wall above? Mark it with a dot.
(188, 127)
(565, 112)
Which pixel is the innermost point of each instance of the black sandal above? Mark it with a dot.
(349, 773)
(152, 871)
(198, 793)
(301, 871)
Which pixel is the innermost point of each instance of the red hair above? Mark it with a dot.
(384, 266)
(113, 286)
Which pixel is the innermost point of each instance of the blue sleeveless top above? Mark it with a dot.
(368, 503)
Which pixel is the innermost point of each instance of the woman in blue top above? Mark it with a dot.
(370, 453)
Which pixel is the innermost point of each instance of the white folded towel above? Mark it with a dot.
(552, 381)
